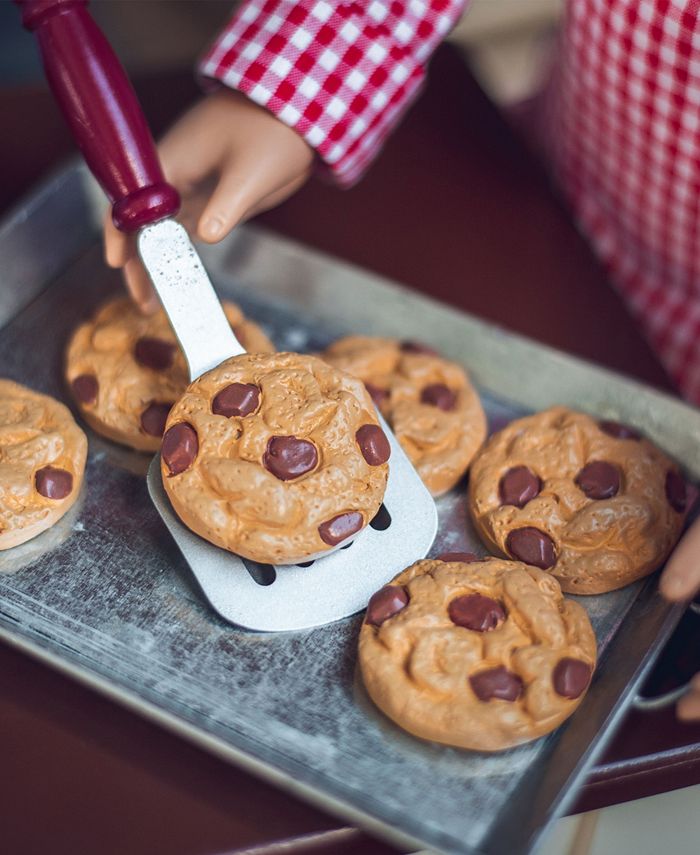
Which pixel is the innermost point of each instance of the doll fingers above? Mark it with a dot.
(120, 251)
(118, 247)
(277, 196)
(681, 578)
(228, 204)
(139, 286)
(243, 192)
(688, 708)
(189, 151)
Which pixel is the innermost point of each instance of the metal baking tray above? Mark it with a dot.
(106, 597)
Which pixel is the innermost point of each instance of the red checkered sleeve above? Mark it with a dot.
(340, 74)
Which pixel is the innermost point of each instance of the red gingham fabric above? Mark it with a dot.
(621, 123)
(340, 74)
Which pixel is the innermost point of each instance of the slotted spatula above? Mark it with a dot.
(105, 118)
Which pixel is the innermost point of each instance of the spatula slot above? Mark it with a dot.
(382, 519)
(262, 574)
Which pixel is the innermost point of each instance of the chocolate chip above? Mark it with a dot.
(571, 677)
(599, 480)
(498, 683)
(532, 546)
(387, 602)
(519, 486)
(618, 430)
(53, 483)
(336, 530)
(474, 611)
(376, 394)
(179, 448)
(288, 457)
(418, 347)
(85, 388)
(238, 399)
(438, 395)
(676, 491)
(381, 520)
(373, 444)
(464, 557)
(154, 353)
(154, 417)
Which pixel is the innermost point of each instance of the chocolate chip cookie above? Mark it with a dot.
(275, 457)
(592, 502)
(429, 402)
(482, 655)
(42, 461)
(125, 370)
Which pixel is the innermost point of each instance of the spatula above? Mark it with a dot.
(105, 118)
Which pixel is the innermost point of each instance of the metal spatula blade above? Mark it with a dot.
(187, 295)
(267, 597)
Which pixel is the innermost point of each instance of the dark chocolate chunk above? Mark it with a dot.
(387, 602)
(288, 457)
(464, 557)
(154, 353)
(53, 483)
(496, 683)
(154, 417)
(618, 430)
(571, 677)
(418, 347)
(373, 444)
(85, 388)
(599, 480)
(381, 520)
(237, 399)
(519, 486)
(376, 394)
(179, 448)
(532, 546)
(477, 612)
(440, 396)
(676, 491)
(335, 530)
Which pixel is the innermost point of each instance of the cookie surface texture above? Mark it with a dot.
(484, 656)
(42, 462)
(275, 457)
(125, 370)
(428, 401)
(590, 501)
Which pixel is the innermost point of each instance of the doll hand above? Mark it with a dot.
(688, 708)
(681, 578)
(681, 581)
(229, 159)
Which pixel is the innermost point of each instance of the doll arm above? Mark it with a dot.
(339, 74)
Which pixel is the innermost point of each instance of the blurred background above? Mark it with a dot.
(508, 41)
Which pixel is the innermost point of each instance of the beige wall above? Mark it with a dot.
(509, 43)
(487, 19)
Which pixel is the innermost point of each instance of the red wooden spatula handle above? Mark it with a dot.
(102, 111)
